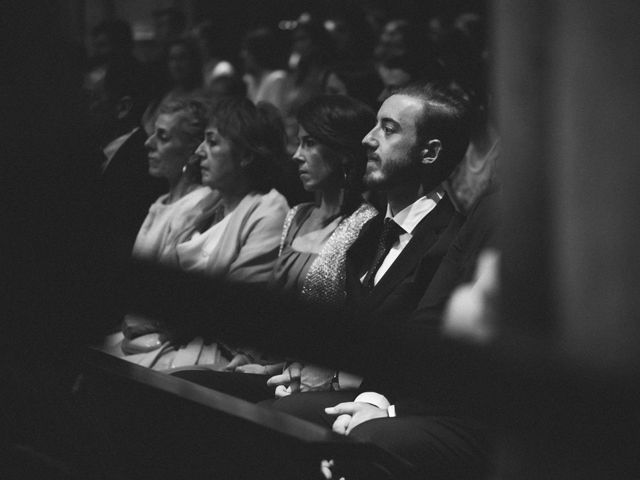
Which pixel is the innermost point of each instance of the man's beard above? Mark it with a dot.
(395, 174)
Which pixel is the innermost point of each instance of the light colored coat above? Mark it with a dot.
(248, 246)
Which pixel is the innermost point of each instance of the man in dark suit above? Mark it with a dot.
(416, 130)
(421, 135)
(413, 409)
(126, 190)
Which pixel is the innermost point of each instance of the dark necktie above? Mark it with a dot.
(390, 233)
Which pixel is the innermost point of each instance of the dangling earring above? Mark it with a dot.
(344, 187)
(184, 168)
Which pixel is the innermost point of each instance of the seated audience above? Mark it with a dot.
(213, 64)
(420, 137)
(388, 269)
(183, 72)
(312, 263)
(179, 129)
(266, 80)
(235, 236)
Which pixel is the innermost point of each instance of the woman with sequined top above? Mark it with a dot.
(315, 238)
(331, 162)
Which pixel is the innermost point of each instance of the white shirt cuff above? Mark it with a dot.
(391, 411)
(375, 399)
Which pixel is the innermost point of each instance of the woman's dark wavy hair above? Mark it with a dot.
(256, 132)
(340, 123)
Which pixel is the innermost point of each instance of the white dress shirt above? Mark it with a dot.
(408, 219)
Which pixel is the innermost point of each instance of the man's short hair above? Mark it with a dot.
(446, 117)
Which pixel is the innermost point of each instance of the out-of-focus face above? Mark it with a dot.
(101, 46)
(302, 42)
(335, 86)
(168, 150)
(218, 163)
(392, 79)
(314, 165)
(180, 63)
(249, 61)
(392, 145)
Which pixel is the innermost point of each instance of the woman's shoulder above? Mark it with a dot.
(298, 211)
(295, 216)
(269, 200)
(268, 208)
(195, 197)
(362, 214)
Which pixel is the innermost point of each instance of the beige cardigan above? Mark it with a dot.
(248, 247)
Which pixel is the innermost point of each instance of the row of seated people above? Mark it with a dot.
(122, 105)
(392, 271)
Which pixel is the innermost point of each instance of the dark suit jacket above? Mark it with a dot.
(378, 314)
(416, 384)
(127, 191)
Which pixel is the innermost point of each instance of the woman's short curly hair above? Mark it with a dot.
(192, 115)
(256, 132)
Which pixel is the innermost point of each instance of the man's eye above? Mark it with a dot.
(387, 130)
(308, 142)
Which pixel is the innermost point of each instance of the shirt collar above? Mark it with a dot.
(113, 146)
(409, 217)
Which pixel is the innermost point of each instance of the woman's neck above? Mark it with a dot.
(231, 198)
(179, 187)
(329, 202)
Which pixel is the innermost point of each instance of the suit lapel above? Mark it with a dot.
(122, 159)
(425, 236)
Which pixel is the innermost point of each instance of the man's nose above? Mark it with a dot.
(149, 143)
(368, 140)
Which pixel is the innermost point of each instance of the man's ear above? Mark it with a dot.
(430, 154)
(124, 107)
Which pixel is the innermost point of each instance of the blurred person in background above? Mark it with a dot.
(111, 42)
(169, 25)
(214, 66)
(266, 80)
(183, 73)
(126, 188)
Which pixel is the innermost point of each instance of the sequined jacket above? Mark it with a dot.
(324, 282)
